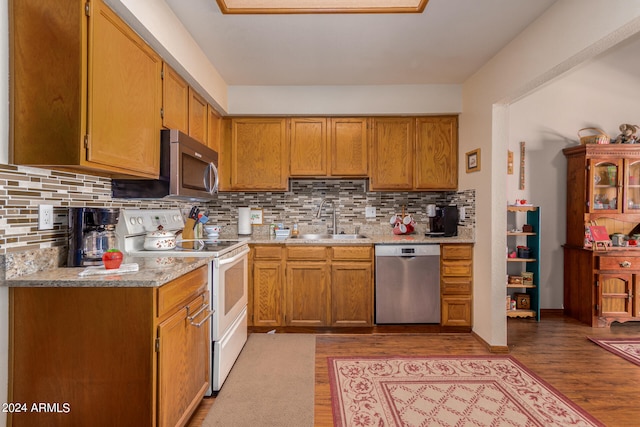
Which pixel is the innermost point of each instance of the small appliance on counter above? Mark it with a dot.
(444, 223)
(91, 234)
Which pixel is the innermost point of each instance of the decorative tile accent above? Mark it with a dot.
(23, 188)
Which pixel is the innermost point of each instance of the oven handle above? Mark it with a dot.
(204, 304)
(197, 313)
(233, 259)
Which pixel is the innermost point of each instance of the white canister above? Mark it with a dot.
(431, 210)
(244, 220)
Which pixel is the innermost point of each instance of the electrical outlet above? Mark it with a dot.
(462, 213)
(370, 212)
(45, 217)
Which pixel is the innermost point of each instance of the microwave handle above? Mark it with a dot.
(211, 170)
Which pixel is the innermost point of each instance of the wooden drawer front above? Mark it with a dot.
(618, 263)
(267, 252)
(457, 268)
(307, 253)
(181, 289)
(352, 252)
(456, 251)
(455, 286)
(456, 311)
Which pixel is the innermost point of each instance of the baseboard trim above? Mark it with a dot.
(498, 349)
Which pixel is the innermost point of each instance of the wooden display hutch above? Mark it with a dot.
(527, 293)
(603, 188)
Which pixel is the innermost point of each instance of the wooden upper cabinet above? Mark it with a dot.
(436, 153)
(198, 114)
(259, 154)
(185, 109)
(86, 91)
(124, 96)
(308, 147)
(214, 123)
(348, 149)
(175, 100)
(335, 147)
(392, 152)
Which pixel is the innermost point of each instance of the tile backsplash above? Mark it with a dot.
(22, 189)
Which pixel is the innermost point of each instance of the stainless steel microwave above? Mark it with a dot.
(188, 171)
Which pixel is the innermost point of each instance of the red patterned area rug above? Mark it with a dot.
(627, 348)
(446, 391)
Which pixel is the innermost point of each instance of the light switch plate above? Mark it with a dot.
(370, 212)
(45, 217)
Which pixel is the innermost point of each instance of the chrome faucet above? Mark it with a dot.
(322, 203)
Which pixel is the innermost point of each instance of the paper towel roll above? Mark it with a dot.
(244, 220)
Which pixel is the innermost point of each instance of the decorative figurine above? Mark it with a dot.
(627, 134)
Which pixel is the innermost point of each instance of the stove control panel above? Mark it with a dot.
(142, 221)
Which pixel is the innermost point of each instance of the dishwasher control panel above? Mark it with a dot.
(407, 250)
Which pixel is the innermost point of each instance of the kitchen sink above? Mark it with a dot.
(328, 236)
(348, 236)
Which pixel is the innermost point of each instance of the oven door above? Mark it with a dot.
(229, 288)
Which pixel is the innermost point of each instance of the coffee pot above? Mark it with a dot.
(91, 234)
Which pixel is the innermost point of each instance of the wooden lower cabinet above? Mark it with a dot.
(616, 294)
(266, 293)
(314, 286)
(351, 294)
(109, 356)
(321, 286)
(307, 294)
(456, 284)
(601, 287)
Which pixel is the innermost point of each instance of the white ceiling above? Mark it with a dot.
(446, 44)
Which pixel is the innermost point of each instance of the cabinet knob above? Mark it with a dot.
(625, 264)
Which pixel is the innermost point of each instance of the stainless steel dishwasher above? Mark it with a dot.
(407, 283)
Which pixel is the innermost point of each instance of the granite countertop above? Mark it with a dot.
(464, 236)
(372, 240)
(40, 268)
(152, 272)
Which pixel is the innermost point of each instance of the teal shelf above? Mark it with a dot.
(531, 264)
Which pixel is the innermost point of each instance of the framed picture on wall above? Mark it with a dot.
(256, 216)
(473, 160)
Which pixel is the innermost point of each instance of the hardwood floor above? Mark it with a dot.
(556, 349)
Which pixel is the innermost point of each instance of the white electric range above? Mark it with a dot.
(228, 279)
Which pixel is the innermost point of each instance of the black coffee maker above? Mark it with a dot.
(445, 221)
(91, 234)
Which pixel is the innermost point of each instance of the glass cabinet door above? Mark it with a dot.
(606, 184)
(632, 181)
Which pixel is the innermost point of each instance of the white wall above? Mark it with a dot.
(598, 94)
(336, 100)
(547, 48)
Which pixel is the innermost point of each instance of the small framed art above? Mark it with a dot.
(473, 160)
(256, 216)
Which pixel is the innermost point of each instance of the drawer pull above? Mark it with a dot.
(625, 264)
